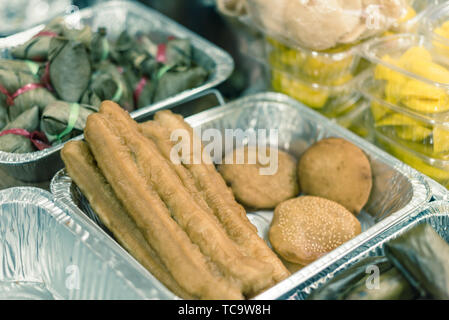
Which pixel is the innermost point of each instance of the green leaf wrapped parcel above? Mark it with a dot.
(66, 72)
(4, 119)
(107, 83)
(26, 66)
(62, 120)
(422, 256)
(12, 81)
(172, 83)
(143, 88)
(99, 47)
(37, 47)
(28, 120)
(70, 68)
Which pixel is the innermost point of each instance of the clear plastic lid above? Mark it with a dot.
(415, 13)
(435, 22)
(324, 24)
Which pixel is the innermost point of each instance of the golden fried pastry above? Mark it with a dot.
(121, 163)
(82, 168)
(305, 228)
(202, 227)
(255, 190)
(161, 137)
(204, 169)
(337, 170)
(222, 202)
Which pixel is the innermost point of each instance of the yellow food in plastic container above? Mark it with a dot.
(357, 119)
(434, 168)
(331, 101)
(322, 67)
(409, 93)
(414, 93)
(429, 139)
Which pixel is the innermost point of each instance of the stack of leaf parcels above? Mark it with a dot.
(61, 75)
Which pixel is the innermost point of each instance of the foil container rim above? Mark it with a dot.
(224, 65)
(421, 190)
(77, 226)
(439, 192)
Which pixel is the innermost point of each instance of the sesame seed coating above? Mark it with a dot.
(305, 228)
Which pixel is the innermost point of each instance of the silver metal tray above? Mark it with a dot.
(397, 188)
(48, 252)
(439, 192)
(435, 213)
(117, 16)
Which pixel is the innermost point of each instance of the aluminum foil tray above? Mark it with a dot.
(439, 192)
(117, 16)
(48, 252)
(397, 188)
(435, 213)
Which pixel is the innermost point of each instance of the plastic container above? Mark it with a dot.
(409, 91)
(436, 169)
(335, 66)
(357, 119)
(424, 137)
(322, 25)
(330, 100)
(414, 15)
(433, 22)
(409, 68)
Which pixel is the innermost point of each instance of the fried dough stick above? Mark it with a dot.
(173, 122)
(161, 137)
(158, 132)
(222, 201)
(81, 167)
(183, 259)
(203, 228)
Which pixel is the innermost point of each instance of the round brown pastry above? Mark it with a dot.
(305, 228)
(337, 170)
(261, 191)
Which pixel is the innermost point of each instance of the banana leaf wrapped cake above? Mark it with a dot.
(20, 135)
(63, 120)
(57, 78)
